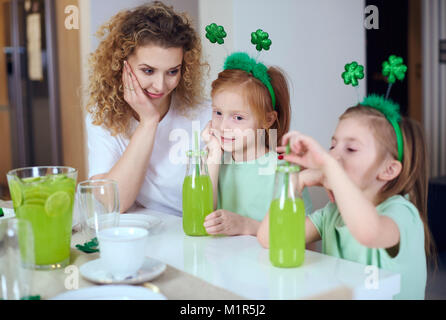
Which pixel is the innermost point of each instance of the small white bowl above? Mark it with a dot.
(122, 250)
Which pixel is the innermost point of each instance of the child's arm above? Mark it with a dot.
(311, 233)
(214, 170)
(359, 213)
(230, 224)
(214, 158)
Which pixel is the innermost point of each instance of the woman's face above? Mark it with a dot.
(158, 70)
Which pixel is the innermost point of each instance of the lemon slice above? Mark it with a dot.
(57, 203)
(36, 192)
(16, 193)
(31, 179)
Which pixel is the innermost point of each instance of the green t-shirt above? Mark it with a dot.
(410, 262)
(247, 187)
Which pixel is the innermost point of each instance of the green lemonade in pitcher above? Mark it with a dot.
(286, 220)
(198, 200)
(47, 202)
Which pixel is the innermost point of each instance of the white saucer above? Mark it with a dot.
(93, 271)
(111, 292)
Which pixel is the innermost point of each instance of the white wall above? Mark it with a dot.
(312, 41)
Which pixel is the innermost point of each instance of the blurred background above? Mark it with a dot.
(44, 47)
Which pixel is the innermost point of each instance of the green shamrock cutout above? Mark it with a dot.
(260, 39)
(353, 72)
(215, 33)
(394, 69)
(89, 247)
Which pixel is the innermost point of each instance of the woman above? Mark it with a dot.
(145, 81)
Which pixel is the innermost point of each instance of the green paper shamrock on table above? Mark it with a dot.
(394, 69)
(89, 247)
(215, 33)
(36, 297)
(260, 39)
(353, 72)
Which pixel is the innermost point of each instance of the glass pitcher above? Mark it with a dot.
(45, 197)
(286, 220)
(198, 200)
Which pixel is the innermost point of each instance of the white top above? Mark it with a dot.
(162, 186)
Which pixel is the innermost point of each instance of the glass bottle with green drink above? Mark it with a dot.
(197, 194)
(286, 220)
(45, 197)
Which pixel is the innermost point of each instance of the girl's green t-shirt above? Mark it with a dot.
(409, 261)
(247, 187)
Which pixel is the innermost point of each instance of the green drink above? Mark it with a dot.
(287, 232)
(286, 220)
(198, 200)
(197, 204)
(45, 197)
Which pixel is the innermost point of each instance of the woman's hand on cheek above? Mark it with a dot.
(224, 222)
(134, 95)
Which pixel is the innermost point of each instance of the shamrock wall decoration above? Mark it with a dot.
(394, 69)
(215, 33)
(260, 39)
(353, 72)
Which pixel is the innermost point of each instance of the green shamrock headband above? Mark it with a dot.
(391, 110)
(241, 60)
(393, 69)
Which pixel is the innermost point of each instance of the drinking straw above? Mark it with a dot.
(287, 174)
(197, 148)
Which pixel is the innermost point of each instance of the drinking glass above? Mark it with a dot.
(16, 259)
(98, 204)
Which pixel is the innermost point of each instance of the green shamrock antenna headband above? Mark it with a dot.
(390, 110)
(393, 69)
(241, 60)
(215, 33)
(353, 72)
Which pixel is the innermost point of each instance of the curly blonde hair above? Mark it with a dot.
(155, 24)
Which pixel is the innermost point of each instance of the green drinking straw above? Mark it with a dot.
(287, 174)
(197, 155)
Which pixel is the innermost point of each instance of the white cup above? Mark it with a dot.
(122, 250)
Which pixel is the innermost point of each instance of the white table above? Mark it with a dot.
(239, 264)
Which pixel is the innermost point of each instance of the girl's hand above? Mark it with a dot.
(134, 95)
(305, 151)
(224, 222)
(212, 143)
(313, 178)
